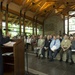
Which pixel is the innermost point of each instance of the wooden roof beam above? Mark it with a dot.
(38, 10)
(8, 1)
(1, 0)
(67, 8)
(28, 23)
(29, 7)
(52, 9)
(17, 22)
(52, 0)
(17, 13)
(14, 19)
(24, 2)
(24, 7)
(35, 4)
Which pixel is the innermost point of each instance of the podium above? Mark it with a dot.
(15, 58)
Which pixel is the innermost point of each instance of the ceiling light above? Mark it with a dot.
(53, 6)
(33, 3)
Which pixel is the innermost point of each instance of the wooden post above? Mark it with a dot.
(43, 27)
(1, 15)
(63, 24)
(24, 24)
(6, 18)
(36, 25)
(33, 24)
(68, 24)
(33, 28)
(20, 22)
(1, 6)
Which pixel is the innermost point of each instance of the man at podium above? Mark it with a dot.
(2, 41)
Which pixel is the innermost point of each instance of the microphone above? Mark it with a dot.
(7, 29)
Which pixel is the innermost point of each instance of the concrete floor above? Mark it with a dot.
(45, 67)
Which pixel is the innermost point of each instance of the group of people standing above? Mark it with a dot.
(53, 45)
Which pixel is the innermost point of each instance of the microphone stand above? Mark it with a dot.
(27, 73)
(26, 54)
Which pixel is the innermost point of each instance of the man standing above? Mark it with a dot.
(2, 41)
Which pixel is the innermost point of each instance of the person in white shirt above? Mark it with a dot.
(28, 41)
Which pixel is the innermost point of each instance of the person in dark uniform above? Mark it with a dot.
(2, 41)
(71, 49)
(46, 47)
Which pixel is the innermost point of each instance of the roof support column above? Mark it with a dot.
(63, 24)
(1, 15)
(24, 24)
(1, 6)
(33, 24)
(20, 22)
(43, 27)
(68, 24)
(36, 25)
(6, 18)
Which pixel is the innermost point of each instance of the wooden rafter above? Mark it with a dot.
(43, 8)
(28, 23)
(34, 4)
(14, 19)
(50, 9)
(38, 9)
(8, 1)
(23, 2)
(1, 0)
(25, 7)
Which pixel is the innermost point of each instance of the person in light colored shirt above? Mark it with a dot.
(65, 45)
(40, 45)
(54, 47)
